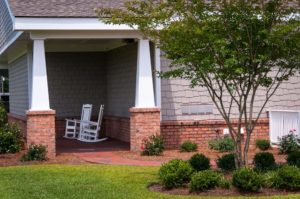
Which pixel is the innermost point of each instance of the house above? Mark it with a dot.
(60, 56)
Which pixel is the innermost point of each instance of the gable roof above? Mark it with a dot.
(60, 8)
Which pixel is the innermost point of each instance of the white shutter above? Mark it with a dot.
(281, 123)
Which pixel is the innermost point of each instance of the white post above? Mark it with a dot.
(144, 94)
(39, 83)
(158, 79)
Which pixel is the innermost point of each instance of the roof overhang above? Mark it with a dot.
(29, 23)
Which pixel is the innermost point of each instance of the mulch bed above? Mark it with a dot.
(14, 160)
(220, 191)
(176, 154)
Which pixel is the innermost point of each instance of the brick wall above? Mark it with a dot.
(117, 127)
(41, 130)
(176, 132)
(144, 122)
(20, 121)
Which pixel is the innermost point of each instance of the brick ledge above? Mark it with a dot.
(143, 110)
(42, 112)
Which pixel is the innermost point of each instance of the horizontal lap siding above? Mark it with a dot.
(121, 78)
(18, 86)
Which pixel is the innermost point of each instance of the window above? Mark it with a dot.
(282, 122)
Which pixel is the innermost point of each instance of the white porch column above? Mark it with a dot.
(39, 83)
(144, 94)
(158, 79)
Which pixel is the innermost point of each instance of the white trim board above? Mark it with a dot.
(27, 23)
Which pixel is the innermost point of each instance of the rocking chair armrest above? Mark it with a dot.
(90, 123)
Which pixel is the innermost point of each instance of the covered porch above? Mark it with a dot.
(117, 71)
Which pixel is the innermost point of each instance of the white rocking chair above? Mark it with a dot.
(73, 126)
(90, 131)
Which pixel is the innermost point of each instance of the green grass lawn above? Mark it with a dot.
(81, 181)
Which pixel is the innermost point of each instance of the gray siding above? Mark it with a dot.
(6, 26)
(75, 79)
(121, 76)
(177, 94)
(18, 86)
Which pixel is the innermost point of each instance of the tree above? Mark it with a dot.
(234, 49)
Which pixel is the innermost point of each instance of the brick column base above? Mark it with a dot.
(144, 122)
(41, 130)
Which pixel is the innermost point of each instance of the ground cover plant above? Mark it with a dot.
(188, 146)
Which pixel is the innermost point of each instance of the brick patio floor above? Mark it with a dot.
(101, 152)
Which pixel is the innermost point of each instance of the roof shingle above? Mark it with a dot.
(60, 8)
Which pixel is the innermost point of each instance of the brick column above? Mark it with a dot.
(143, 123)
(41, 130)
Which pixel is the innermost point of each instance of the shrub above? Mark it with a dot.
(247, 179)
(264, 161)
(199, 162)
(35, 152)
(293, 158)
(188, 146)
(270, 178)
(154, 145)
(288, 177)
(204, 180)
(226, 162)
(223, 145)
(3, 115)
(288, 143)
(10, 139)
(175, 173)
(263, 144)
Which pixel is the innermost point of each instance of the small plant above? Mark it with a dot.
(226, 162)
(205, 180)
(188, 146)
(223, 145)
(10, 139)
(263, 144)
(288, 177)
(35, 152)
(247, 179)
(270, 178)
(264, 161)
(293, 158)
(288, 143)
(200, 162)
(175, 173)
(154, 145)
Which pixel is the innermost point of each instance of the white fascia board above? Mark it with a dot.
(27, 23)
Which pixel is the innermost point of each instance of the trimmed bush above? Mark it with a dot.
(154, 145)
(226, 162)
(200, 162)
(10, 139)
(223, 145)
(288, 177)
(188, 146)
(204, 180)
(263, 144)
(35, 153)
(288, 143)
(264, 161)
(293, 158)
(175, 173)
(247, 179)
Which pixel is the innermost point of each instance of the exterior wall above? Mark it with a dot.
(176, 94)
(117, 127)
(6, 25)
(121, 76)
(175, 133)
(75, 79)
(144, 122)
(18, 86)
(20, 121)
